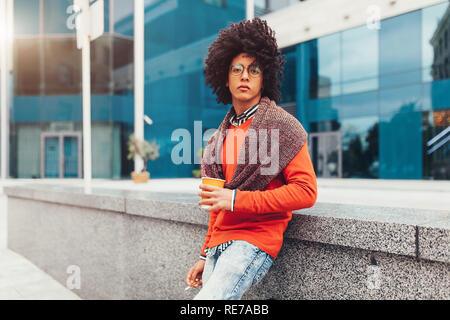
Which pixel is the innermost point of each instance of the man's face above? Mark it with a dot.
(245, 79)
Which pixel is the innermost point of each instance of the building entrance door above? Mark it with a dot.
(61, 155)
(325, 149)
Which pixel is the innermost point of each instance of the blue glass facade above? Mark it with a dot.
(371, 99)
(175, 91)
(47, 93)
(384, 91)
(47, 83)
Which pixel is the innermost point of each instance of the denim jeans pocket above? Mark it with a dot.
(268, 261)
(208, 268)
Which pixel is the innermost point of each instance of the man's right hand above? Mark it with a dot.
(194, 277)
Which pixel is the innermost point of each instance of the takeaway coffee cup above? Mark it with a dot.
(212, 182)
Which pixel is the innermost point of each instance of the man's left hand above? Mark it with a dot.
(218, 198)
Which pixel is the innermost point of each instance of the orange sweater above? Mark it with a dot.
(261, 217)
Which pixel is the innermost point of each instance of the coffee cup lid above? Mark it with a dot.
(213, 178)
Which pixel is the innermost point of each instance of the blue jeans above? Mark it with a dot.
(227, 276)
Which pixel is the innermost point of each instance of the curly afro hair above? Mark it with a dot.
(255, 38)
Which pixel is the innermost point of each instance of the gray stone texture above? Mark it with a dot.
(140, 245)
(434, 243)
(308, 270)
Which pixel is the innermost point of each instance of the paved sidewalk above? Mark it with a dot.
(22, 280)
(19, 278)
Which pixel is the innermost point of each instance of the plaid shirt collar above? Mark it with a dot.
(240, 119)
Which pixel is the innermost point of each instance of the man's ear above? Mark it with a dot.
(226, 84)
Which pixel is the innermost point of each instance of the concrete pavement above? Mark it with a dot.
(22, 280)
(19, 278)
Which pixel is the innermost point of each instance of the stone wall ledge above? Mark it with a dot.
(422, 234)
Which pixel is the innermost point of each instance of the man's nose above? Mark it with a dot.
(244, 74)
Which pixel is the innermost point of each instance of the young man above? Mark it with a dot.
(250, 214)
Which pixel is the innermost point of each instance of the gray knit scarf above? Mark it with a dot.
(271, 142)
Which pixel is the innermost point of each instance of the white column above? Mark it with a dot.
(111, 16)
(139, 75)
(10, 34)
(86, 92)
(4, 81)
(250, 9)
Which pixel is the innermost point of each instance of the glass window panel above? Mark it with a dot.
(401, 100)
(177, 37)
(55, 16)
(123, 17)
(102, 149)
(360, 85)
(436, 95)
(217, 3)
(60, 108)
(51, 157)
(26, 17)
(102, 57)
(400, 150)
(360, 147)
(400, 49)
(62, 66)
(323, 109)
(359, 105)
(27, 150)
(122, 60)
(70, 157)
(400, 78)
(47, 88)
(261, 7)
(436, 144)
(328, 65)
(359, 60)
(435, 34)
(289, 83)
(107, 14)
(359, 54)
(400, 133)
(326, 125)
(27, 67)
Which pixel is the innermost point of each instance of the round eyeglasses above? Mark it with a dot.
(253, 70)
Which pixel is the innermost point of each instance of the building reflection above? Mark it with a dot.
(384, 93)
(373, 101)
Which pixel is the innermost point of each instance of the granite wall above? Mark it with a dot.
(136, 245)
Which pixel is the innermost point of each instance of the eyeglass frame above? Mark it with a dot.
(243, 69)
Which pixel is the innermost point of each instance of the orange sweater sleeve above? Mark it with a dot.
(299, 192)
(212, 220)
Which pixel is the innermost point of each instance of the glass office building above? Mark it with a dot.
(375, 101)
(46, 119)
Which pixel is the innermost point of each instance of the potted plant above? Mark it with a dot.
(146, 151)
(197, 173)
